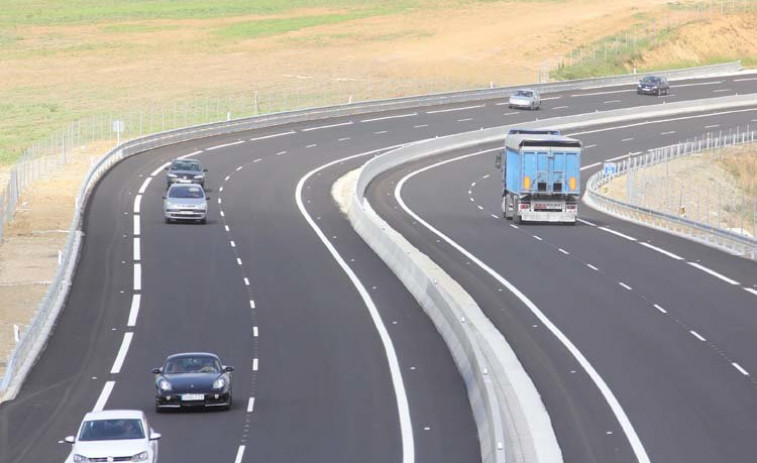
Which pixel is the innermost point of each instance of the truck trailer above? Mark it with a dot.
(541, 176)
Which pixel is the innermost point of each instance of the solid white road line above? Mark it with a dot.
(629, 238)
(137, 277)
(137, 229)
(255, 364)
(662, 251)
(137, 249)
(389, 117)
(660, 308)
(240, 454)
(321, 127)
(159, 169)
(273, 136)
(400, 394)
(195, 153)
(714, 273)
(625, 285)
(225, 145)
(251, 405)
(609, 396)
(741, 370)
(136, 301)
(697, 335)
(121, 356)
(137, 204)
(586, 222)
(143, 188)
(104, 395)
(591, 165)
(750, 79)
(751, 290)
(455, 109)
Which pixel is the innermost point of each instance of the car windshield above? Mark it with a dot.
(193, 364)
(113, 429)
(186, 192)
(650, 80)
(186, 165)
(525, 93)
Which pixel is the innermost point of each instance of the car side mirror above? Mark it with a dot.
(69, 440)
(155, 435)
(157, 371)
(228, 368)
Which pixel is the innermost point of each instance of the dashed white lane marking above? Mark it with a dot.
(136, 301)
(600, 93)
(344, 139)
(227, 178)
(622, 156)
(697, 335)
(233, 244)
(256, 160)
(480, 208)
(741, 370)
(137, 228)
(104, 395)
(255, 364)
(712, 126)
(586, 222)
(137, 277)
(668, 133)
(312, 146)
(255, 331)
(225, 145)
(380, 132)
(662, 251)
(591, 165)
(137, 204)
(143, 188)
(551, 98)
(751, 290)
(472, 200)
(495, 216)
(252, 303)
(222, 214)
(239, 261)
(240, 454)
(625, 285)
(121, 356)
(473, 185)
(486, 176)
(714, 273)
(292, 132)
(511, 113)
(194, 153)
(629, 238)
(159, 169)
(660, 308)
(250, 404)
(420, 126)
(220, 201)
(722, 90)
(563, 251)
(321, 127)
(280, 153)
(465, 120)
(137, 249)
(592, 267)
(590, 146)
(514, 226)
(247, 281)
(455, 109)
(699, 84)
(627, 139)
(611, 101)
(470, 192)
(226, 227)
(560, 107)
(389, 117)
(239, 168)
(537, 237)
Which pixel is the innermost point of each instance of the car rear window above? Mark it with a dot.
(185, 165)
(190, 192)
(113, 429)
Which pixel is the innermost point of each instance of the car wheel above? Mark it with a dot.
(168, 220)
(203, 221)
(228, 407)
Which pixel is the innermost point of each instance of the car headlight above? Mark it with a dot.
(140, 457)
(219, 383)
(164, 385)
(200, 176)
(79, 458)
(171, 175)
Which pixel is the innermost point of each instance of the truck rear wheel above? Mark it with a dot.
(516, 207)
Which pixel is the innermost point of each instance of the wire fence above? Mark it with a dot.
(673, 188)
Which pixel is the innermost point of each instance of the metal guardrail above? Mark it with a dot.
(35, 336)
(715, 236)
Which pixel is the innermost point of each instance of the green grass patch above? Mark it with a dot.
(267, 27)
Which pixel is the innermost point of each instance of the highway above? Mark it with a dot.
(334, 360)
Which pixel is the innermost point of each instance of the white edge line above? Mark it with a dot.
(121, 356)
(591, 165)
(195, 153)
(586, 222)
(136, 301)
(389, 117)
(320, 127)
(159, 169)
(751, 290)
(662, 251)
(713, 273)
(273, 136)
(137, 204)
(104, 395)
(455, 109)
(143, 188)
(137, 228)
(400, 394)
(137, 248)
(612, 401)
(225, 145)
(137, 277)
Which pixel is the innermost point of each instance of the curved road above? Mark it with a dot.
(315, 378)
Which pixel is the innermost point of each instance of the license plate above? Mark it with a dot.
(545, 206)
(187, 212)
(185, 180)
(190, 397)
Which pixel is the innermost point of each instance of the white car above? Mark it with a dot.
(114, 435)
(525, 98)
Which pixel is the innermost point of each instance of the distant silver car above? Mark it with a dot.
(525, 98)
(185, 202)
(185, 171)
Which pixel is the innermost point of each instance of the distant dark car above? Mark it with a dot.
(653, 85)
(185, 171)
(193, 380)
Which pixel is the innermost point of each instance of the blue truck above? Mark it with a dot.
(541, 176)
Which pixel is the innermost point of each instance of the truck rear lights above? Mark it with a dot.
(572, 183)
(572, 207)
(523, 206)
(526, 183)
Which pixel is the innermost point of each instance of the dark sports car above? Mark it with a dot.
(192, 380)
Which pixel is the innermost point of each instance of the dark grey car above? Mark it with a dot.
(653, 85)
(185, 203)
(185, 171)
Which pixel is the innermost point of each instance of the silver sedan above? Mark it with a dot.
(525, 98)
(184, 202)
